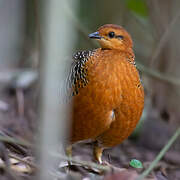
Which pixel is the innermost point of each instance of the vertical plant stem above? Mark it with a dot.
(160, 155)
(57, 34)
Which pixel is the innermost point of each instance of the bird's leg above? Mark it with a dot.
(97, 152)
(69, 153)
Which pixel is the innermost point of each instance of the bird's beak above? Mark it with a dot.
(95, 35)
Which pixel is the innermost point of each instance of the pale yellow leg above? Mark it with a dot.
(69, 153)
(97, 152)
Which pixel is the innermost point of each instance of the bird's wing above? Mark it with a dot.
(77, 77)
(76, 74)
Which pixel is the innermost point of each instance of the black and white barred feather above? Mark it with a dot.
(78, 75)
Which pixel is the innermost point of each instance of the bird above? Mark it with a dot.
(106, 90)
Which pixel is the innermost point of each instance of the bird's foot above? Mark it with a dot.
(69, 154)
(97, 152)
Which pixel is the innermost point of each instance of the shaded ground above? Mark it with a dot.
(18, 118)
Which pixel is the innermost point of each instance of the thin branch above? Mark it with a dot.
(23, 161)
(158, 75)
(15, 141)
(160, 155)
(83, 163)
(164, 38)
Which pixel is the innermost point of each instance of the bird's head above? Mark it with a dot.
(112, 36)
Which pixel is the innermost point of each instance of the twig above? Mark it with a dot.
(23, 161)
(158, 75)
(15, 141)
(164, 38)
(160, 155)
(84, 163)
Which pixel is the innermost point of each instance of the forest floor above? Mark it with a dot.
(18, 119)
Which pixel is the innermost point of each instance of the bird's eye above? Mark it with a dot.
(120, 37)
(111, 34)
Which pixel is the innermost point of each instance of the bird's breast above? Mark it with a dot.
(112, 81)
(111, 77)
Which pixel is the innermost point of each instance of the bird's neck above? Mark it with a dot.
(129, 51)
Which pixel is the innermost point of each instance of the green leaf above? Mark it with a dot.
(136, 163)
(137, 6)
